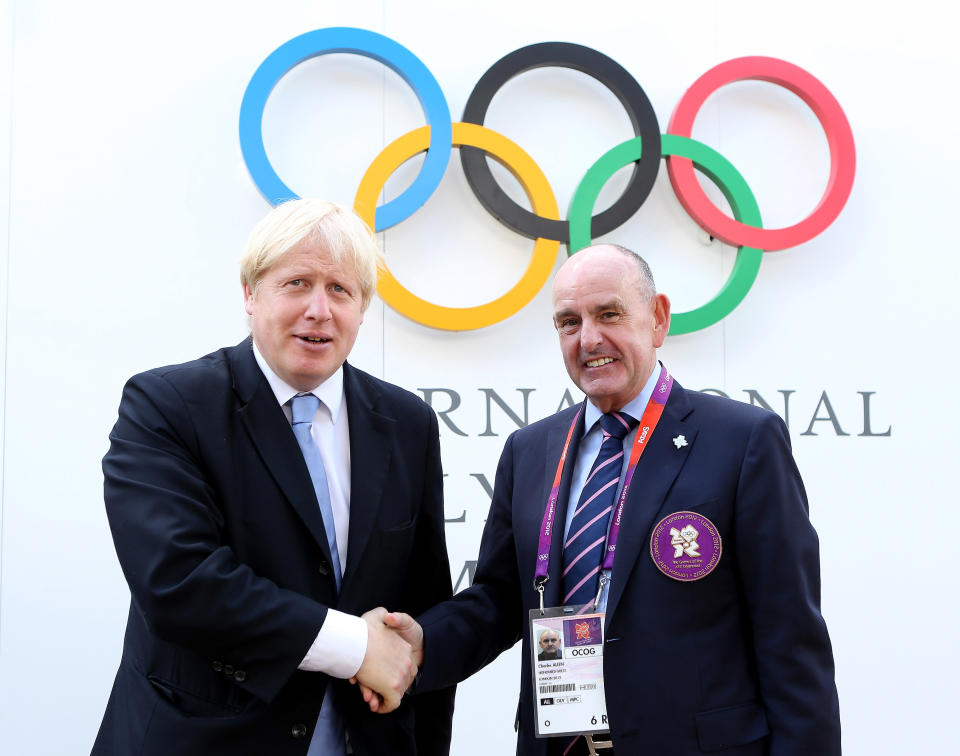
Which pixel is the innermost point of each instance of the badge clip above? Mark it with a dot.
(596, 602)
(538, 587)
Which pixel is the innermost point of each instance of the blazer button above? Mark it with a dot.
(324, 568)
(239, 675)
(228, 670)
(218, 666)
(299, 731)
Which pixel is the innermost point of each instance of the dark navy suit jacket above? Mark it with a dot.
(738, 662)
(220, 538)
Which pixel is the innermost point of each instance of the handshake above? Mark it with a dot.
(394, 652)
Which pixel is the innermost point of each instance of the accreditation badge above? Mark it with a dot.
(567, 659)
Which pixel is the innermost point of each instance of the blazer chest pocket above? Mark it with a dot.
(406, 524)
(393, 544)
(718, 511)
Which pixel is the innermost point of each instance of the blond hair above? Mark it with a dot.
(334, 228)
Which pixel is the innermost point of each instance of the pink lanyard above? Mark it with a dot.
(648, 423)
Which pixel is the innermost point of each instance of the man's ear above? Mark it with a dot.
(248, 299)
(661, 319)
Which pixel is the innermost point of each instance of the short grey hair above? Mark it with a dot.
(643, 269)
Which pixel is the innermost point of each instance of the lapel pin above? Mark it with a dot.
(680, 441)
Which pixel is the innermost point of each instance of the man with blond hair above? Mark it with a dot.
(264, 499)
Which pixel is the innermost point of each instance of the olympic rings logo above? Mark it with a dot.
(683, 156)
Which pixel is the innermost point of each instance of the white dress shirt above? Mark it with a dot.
(341, 644)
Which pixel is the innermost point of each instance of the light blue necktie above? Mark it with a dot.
(303, 408)
(328, 737)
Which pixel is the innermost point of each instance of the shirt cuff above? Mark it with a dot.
(339, 647)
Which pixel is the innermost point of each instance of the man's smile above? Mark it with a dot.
(598, 362)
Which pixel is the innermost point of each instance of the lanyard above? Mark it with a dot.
(651, 416)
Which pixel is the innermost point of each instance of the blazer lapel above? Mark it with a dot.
(274, 441)
(656, 471)
(371, 435)
(553, 590)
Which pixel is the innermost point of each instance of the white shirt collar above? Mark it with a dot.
(634, 407)
(330, 392)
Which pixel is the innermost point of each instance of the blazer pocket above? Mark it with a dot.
(190, 704)
(405, 525)
(731, 726)
(693, 503)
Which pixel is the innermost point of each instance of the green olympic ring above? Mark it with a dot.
(722, 173)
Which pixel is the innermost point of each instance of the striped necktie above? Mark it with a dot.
(583, 549)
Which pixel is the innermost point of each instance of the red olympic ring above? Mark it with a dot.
(832, 119)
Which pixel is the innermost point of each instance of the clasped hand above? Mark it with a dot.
(394, 652)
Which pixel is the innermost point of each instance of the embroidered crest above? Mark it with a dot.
(685, 546)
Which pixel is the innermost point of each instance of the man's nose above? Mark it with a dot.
(318, 307)
(590, 335)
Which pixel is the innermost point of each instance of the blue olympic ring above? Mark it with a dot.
(343, 39)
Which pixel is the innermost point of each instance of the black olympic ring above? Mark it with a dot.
(609, 73)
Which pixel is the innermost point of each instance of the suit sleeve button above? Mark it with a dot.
(228, 670)
(239, 675)
(218, 666)
(299, 731)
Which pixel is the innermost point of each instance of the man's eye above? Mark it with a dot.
(295, 282)
(338, 287)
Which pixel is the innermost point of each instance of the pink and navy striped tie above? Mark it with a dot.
(583, 549)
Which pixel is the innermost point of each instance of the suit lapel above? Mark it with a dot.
(656, 471)
(371, 436)
(553, 591)
(274, 441)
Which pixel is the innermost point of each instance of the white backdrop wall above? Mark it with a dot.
(127, 204)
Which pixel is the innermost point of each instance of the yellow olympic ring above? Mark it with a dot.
(538, 191)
